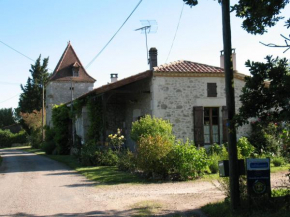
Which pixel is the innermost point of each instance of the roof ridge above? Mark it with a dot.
(60, 60)
(183, 61)
(69, 49)
(81, 65)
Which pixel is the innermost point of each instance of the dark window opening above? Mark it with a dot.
(211, 90)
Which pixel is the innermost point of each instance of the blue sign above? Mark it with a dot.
(259, 165)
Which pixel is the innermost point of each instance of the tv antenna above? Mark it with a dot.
(149, 26)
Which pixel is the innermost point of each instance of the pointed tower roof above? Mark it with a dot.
(64, 69)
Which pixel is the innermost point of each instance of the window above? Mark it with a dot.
(211, 90)
(75, 71)
(211, 125)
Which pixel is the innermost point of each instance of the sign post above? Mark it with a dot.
(258, 177)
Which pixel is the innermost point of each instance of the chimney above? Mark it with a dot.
(152, 57)
(114, 78)
(222, 61)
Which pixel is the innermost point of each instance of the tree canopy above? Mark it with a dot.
(260, 14)
(6, 117)
(31, 98)
(266, 93)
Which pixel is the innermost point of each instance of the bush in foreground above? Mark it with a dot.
(152, 152)
(187, 160)
(151, 126)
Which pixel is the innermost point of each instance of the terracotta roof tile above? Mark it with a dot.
(63, 70)
(183, 66)
(117, 84)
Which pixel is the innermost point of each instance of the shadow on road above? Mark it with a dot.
(129, 212)
(19, 161)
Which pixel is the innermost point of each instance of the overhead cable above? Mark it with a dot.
(20, 53)
(9, 98)
(175, 32)
(113, 36)
(17, 51)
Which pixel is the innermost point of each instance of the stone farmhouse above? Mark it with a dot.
(190, 95)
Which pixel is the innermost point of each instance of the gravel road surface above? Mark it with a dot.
(32, 185)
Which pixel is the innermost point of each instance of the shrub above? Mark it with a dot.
(151, 126)
(213, 163)
(127, 161)
(105, 157)
(187, 160)
(265, 137)
(35, 138)
(87, 156)
(278, 161)
(61, 121)
(116, 140)
(214, 149)
(245, 147)
(20, 137)
(48, 147)
(280, 192)
(152, 154)
(7, 138)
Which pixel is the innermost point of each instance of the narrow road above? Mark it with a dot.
(32, 185)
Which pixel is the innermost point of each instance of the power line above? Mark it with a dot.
(175, 32)
(20, 53)
(17, 51)
(113, 35)
(9, 98)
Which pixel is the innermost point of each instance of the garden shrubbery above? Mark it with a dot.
(187, 160)
(158, 154)
(7, 138)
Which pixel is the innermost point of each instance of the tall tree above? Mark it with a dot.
(266, 93)
(6, 117)
(31, 98)
(260, 14)
(230, 101)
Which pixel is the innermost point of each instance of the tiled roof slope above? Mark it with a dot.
(183, 66)
(63, 70)
(117, 84)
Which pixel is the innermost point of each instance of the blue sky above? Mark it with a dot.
(44, 27)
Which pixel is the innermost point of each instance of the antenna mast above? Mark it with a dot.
(149, 26)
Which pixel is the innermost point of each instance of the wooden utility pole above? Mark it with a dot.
(42, 114)
(230, 100)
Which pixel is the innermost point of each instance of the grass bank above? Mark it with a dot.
(102, 175)
(222, 209)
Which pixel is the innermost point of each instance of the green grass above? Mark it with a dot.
(102, 175)
(222, 209)
(284, 167)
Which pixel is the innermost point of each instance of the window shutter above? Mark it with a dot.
(224, 121)
(198, 125)
(211, 90)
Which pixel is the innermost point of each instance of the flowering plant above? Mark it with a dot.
(116, 140)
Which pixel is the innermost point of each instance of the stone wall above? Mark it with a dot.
(59, 92)
(175, 97)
